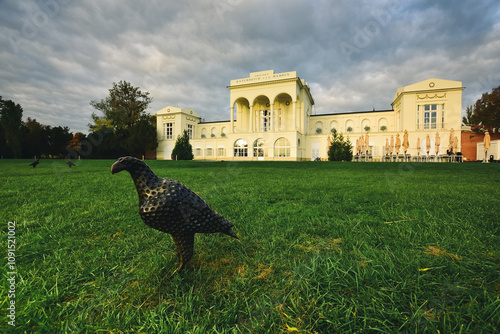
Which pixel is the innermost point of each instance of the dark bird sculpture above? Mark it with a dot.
(169, 206)
(34, 163)
(70, 163)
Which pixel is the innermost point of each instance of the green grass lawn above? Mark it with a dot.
(325, 248)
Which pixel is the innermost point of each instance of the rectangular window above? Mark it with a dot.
(197, 152)
(433, 120)
(418, 119)
(190, 131)
(220, 151)
(430, 116)
(241, 152)
(209, 152)
(168, 130)
(264, 120)
(279, 120)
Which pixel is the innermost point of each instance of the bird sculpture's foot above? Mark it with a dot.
(173, 274)
(184, 244)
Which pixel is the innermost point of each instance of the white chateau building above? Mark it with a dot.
(271, 119)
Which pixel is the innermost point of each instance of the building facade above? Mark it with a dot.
(271, 119)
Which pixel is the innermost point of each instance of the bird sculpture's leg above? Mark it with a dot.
(184, 244)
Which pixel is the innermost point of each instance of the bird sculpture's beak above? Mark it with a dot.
(117, 167)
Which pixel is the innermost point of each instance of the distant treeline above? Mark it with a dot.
(29, 139)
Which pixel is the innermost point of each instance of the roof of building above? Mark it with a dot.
(352, 112)
(208, 122)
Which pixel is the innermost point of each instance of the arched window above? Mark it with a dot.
(241, 148)
(319, 127)
(365, 125)
(382, 124)
(282, 148)
(258, 148)
(349, 126)
(334, 126)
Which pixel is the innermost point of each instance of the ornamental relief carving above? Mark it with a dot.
(427, 96)
(168, 117)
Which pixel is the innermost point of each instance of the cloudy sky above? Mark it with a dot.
(58, 55)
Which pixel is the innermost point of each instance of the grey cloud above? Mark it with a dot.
(185, 53)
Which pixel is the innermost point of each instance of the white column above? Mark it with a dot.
(272, 117)
(231, 130)
(294, 127)
(252, 120)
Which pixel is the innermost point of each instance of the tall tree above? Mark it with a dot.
(122, 108)
(183, 149)
(58, 140)
(37, 140)
(3, 143)
(340, 148)
(13, 127)
(486, 110)
(142, 136)
(76, 142)
(469, 118)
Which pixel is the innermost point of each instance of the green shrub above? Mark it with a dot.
(183, 149)
(340, 148)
